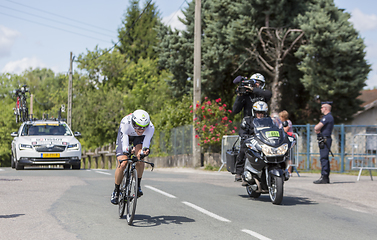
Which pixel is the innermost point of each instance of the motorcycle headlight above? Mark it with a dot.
(253, 145)
(271, 151)
(73, 146)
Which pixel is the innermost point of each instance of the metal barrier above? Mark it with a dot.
(364, 147)
(294, 154)
(226, 144)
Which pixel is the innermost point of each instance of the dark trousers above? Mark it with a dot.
(240, 161)
(325, 162)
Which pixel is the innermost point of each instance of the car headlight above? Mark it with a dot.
(73, 146)
(271, 151)
(25, 147)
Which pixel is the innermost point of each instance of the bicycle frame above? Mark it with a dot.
(129, 187)
(21, 111)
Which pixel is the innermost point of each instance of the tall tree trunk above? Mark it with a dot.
(275, 89)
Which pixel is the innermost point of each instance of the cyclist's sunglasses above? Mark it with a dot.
(139, 128)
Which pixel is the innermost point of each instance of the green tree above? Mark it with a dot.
(230, 32)
(8, 83)
(7, 125)
(177, 47)
(100, 108)
(229, 28)
(138, 35)
(333, 62)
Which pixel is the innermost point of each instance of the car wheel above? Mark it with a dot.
(12, 161)
(19, 166)
(76, 166)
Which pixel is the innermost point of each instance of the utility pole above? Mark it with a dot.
(69, 114)
(197, 81)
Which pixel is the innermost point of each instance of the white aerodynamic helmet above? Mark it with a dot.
(140, 119)
(260, 106)
(260, 78)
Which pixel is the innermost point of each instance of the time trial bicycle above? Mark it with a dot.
(129, 187)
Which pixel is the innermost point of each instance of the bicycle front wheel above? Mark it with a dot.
(122, 195)
(131, 196)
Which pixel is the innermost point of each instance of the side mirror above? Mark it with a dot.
(14, 134)
(77, 134)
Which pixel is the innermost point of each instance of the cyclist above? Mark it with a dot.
(135, 129)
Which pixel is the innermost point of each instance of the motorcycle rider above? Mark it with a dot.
(245, 100)
(135, 128)
(259, 110)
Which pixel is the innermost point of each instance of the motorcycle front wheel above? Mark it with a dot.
(276, 189)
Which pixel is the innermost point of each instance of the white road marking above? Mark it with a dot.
(159, 191)
(1, 169)
(98, 171)
(206, 212)
(254, 234)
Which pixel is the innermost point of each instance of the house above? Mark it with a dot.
(367, 116)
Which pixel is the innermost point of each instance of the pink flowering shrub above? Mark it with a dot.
(211, 122)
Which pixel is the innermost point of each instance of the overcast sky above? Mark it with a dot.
(42, 33)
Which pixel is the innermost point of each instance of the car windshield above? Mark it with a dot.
(54, 129)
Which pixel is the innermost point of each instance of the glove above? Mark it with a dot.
(146, 150)
(129, 152)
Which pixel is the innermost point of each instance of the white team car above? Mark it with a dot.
(45, 142)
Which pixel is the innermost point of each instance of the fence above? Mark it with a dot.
(176, 142)
(364, 153)
(101, 157)
(307, 155)
(179, 142)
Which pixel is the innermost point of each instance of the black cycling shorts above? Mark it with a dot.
(132, 140)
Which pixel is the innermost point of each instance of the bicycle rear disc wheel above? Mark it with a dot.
(131, 195)
(122, 196)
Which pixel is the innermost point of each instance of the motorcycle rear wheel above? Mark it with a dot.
(276, 189)
(251, 192)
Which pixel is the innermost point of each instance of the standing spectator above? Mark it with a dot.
(286, 124)
(323, 130)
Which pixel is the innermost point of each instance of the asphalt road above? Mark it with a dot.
(182, 204)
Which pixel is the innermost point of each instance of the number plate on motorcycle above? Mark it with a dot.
(272, 134)
(50, 155)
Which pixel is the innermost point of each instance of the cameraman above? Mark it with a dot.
(248, 92)
(323, 130)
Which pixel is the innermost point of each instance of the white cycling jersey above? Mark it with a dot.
(126, 130)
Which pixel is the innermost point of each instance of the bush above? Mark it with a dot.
(211, 123)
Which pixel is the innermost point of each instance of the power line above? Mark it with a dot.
(56, 28)
(176, 11)
(57, 15)
(52, 20)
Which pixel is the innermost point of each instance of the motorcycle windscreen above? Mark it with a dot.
(268, 132)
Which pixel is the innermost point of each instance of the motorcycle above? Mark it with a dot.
(267, 160)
